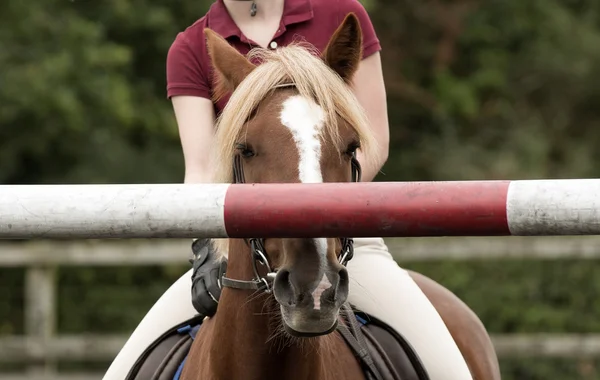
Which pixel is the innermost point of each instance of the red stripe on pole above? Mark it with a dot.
(374, 209)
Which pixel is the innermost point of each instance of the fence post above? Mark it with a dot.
(40, 315)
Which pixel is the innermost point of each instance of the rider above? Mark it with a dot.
(378, 285)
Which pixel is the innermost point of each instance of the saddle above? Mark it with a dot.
(383, 352)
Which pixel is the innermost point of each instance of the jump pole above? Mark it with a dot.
(376, 209)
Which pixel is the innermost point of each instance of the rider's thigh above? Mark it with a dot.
(380, 287)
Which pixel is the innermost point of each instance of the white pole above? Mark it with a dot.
(112, 211)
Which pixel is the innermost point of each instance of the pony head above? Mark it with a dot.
(294, 118)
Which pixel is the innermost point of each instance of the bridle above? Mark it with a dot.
(258, 252)
(351, 333)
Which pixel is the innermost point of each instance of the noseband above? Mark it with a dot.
(257, 247)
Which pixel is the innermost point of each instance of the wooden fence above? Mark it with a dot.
(42, 347)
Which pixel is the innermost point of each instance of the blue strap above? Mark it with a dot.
(361, 320)
(192, 331)
(180, 369)
(187, 329)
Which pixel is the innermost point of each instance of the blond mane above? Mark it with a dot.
(296, 63)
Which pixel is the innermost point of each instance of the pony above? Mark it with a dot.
(293, 118)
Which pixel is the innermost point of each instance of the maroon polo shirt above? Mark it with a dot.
(189, 70)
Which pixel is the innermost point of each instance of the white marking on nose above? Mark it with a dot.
(305, 119)
(318, 292)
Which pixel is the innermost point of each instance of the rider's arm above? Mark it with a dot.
(195, 120)
(368, 86)
(189, 90)
(370, 91)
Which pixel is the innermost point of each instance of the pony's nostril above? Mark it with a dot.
(341, 290)
(283, 288)
(283, 276)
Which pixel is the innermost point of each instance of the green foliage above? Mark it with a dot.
(524, 295)
(105, 291)
(516, 97)
(83, 91)
(12, 289)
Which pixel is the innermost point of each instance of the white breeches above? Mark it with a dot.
(378, 286)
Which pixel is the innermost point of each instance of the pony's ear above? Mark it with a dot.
(344, 50)
(230, 66)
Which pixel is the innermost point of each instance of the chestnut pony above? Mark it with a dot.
(293, 118)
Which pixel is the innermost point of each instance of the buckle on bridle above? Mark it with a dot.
(347, 251)
(267, 280)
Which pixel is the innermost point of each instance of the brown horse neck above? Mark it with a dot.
(246, 338)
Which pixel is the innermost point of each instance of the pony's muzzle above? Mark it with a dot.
(311, 307)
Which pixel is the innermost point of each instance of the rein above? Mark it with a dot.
(257, 248)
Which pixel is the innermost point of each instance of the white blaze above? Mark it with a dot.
(305, 119)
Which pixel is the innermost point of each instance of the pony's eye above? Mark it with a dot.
(352, 147)
(245, 150)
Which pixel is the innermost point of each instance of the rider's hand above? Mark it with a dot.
(206, 289)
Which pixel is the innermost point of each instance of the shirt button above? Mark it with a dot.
(273, 45)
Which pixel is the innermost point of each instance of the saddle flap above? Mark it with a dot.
(163, 359)
(383, 352)
(171, 362)
(393, 356)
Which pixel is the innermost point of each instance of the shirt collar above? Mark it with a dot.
(294, 11)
